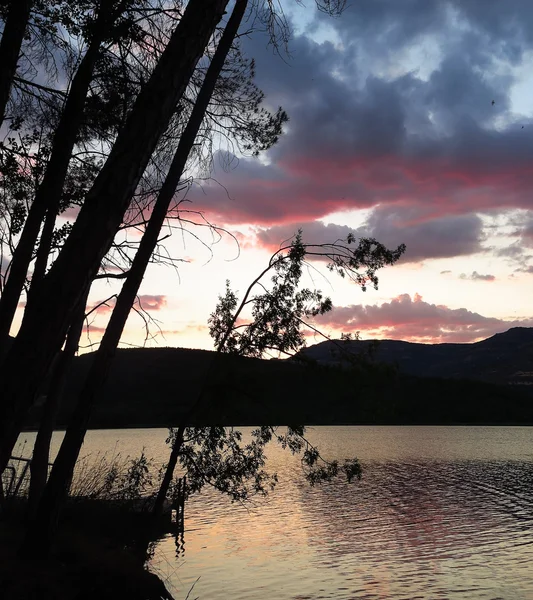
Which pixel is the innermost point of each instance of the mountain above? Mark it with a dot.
(505, 358)
(434, 384)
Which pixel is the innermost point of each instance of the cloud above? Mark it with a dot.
(440, 237)
(101, 307)
(444, 237)
(414, 319)
(525, 270)
(392, 138)
(187, 329)
(475, 276)
(151, 302)
(313, 232)
(146, 301)
(90, 330)
(489, 28)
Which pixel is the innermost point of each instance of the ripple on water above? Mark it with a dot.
(441, 512)
(422, 527)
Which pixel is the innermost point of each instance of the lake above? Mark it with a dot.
(441, 512)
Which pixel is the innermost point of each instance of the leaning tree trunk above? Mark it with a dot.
(99, 219)
(56, 489)
(12, 37)
(169, 472)
(105, 21)
(41, 449)
(49, 193)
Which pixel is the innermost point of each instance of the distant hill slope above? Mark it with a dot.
(505, 358)
(434, 385)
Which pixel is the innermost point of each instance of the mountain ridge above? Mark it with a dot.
(157, 386)
(504, 358)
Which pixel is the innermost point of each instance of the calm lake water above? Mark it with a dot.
(441, 512)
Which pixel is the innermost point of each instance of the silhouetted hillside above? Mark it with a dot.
(155, 387)
(505, 358)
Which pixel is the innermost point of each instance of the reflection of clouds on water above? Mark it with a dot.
(441, 512)
(436, 524)
(452, 521)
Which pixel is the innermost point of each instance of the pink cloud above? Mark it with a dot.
(101, 307)
(147, 302)
(152, 302)
(307, 188)
(92, 329)
(413, 319)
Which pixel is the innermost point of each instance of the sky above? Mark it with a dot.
(410, 121)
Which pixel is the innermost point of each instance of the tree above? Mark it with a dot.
(278, 314)
(238, 105)
(61, 474)
(101, 215)
(41, 448)
(78, 262)
(12, 37)
(48, 196)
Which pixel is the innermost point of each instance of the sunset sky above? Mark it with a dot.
(411, 121)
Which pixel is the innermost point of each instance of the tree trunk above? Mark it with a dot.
(105, 21)
(169, 472)
(98, 221)
(41, 449)
(49, 193)
(63, 469)
(14, 30)
(45, 245)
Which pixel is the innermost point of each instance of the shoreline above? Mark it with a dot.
(100, 552)
(406, 424)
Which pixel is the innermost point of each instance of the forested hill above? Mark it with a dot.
(505, 358)
(154, 387)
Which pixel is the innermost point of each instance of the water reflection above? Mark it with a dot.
(179, 543)
(441, 512)
(413, 528)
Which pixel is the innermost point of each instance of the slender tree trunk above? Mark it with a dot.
(41, 449)
(169, 472)
(97, 223)
(49, 193)
(14, 30)
(105, 21)
(45, 245)
(56, 490)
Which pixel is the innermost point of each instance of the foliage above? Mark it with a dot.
(138, 32)
(217, 455)
(280, 311)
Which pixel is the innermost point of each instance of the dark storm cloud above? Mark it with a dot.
(357, 138)
(437, 238)
(386, 23)
(456, 91)
(441, 237)
(507, 27)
